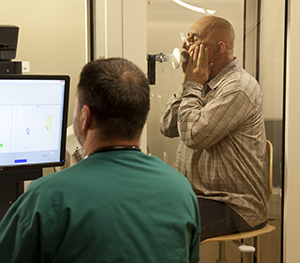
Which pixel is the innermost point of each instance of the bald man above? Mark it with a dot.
(218, 115)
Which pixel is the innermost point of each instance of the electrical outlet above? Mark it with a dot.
(25, 66)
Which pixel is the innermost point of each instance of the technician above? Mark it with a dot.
(116, 205)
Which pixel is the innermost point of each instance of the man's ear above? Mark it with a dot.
(220, 48)
(86, 117)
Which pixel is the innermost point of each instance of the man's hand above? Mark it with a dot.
(198, 68)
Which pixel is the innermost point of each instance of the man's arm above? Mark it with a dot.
(194, 250)
(201, 126)
(168, 117)
(195, 70)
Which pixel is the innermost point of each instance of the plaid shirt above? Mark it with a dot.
(222, 150)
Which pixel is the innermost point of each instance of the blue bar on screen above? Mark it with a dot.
(21, 161)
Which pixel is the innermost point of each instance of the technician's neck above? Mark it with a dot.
(91, 148)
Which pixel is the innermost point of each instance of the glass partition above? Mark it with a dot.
(259, 46)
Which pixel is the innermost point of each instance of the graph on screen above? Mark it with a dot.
(35, 128)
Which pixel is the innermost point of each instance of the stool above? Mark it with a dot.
(236, 239)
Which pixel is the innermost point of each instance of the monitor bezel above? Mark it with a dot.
(25, 167)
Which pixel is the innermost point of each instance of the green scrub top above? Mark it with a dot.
(115, 206)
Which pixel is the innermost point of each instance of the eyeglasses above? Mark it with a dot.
(191, 39)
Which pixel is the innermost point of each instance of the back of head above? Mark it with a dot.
(224, 31)
(219, 29)
(117, 92)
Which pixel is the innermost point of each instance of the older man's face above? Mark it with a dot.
(198, 36)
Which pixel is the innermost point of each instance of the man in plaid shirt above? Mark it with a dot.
(218, 115)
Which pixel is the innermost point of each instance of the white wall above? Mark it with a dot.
(271, 57)
(292, 142)
(51, 37)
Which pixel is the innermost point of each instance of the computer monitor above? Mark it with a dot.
(33, 122)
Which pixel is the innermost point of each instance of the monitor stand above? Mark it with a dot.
(9, 193)
(10, 67)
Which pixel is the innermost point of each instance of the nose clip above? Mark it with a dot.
(183, 39)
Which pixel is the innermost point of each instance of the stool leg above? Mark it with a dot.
(222, 252)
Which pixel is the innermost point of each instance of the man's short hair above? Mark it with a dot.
(117, 92)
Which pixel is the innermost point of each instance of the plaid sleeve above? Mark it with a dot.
(202, 125)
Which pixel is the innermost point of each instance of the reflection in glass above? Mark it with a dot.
(258, 25)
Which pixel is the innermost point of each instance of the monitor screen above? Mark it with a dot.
(33, 120)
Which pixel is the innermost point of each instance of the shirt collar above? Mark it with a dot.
(215, 82)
